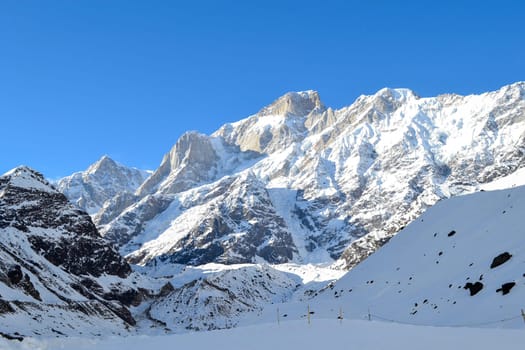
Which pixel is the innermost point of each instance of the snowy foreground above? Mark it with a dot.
(299, 335)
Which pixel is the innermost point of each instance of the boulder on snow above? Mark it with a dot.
(500, 259)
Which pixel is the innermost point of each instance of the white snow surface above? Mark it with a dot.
(515, 179)
(320, 334)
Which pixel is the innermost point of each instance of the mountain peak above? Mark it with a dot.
(103, 164)
(27, 178)
(299, 103)
(397, 94)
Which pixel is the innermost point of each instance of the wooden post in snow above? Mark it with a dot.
(278, 318)
(523, 315)
(308, 314)
(340, 317)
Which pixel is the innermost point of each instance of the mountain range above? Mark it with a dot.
(266, 215)
(300, 182)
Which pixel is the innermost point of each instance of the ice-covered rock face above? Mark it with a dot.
(103, 180)
(338, 182)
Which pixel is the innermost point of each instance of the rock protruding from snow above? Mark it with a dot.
(102, 181)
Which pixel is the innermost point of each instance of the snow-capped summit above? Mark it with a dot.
(187, 163)
(25, 177)
(297, 104)
(103, 180)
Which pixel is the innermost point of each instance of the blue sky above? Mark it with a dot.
(80, 79)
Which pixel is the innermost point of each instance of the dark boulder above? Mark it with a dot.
(505, 288)
(500, 259)
(474, 288)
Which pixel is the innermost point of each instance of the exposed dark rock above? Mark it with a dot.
(5, 307)
(43, 229)
(29, 288)
(128, 297)
(500, 259)
(451, 233)
(15, 274)
(474, 288)
(11, 336)
(66, 252)
(505, 288)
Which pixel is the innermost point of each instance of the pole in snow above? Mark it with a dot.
(308, 315)
(523, 315)
(369, 316)
(278, 318)
(340, 317)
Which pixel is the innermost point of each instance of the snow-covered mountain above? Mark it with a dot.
(462, 263)
(300, 182)
(57, 275)
(103, 180)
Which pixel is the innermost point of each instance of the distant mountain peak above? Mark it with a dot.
(101, 181)
(27, 178)
(398, 94)
(105, 163)
(299, 103)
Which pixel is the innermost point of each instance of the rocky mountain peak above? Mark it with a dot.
(295, 104)
(27, 178)
(192, 147)
(189, 160)
(104, 164)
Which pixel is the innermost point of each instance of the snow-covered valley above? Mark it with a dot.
(321, 333)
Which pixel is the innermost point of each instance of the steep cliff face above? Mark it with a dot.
(334, 184)
(57, 274)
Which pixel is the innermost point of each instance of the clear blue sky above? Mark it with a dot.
(79, 79)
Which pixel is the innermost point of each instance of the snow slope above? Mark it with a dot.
(461, 263)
